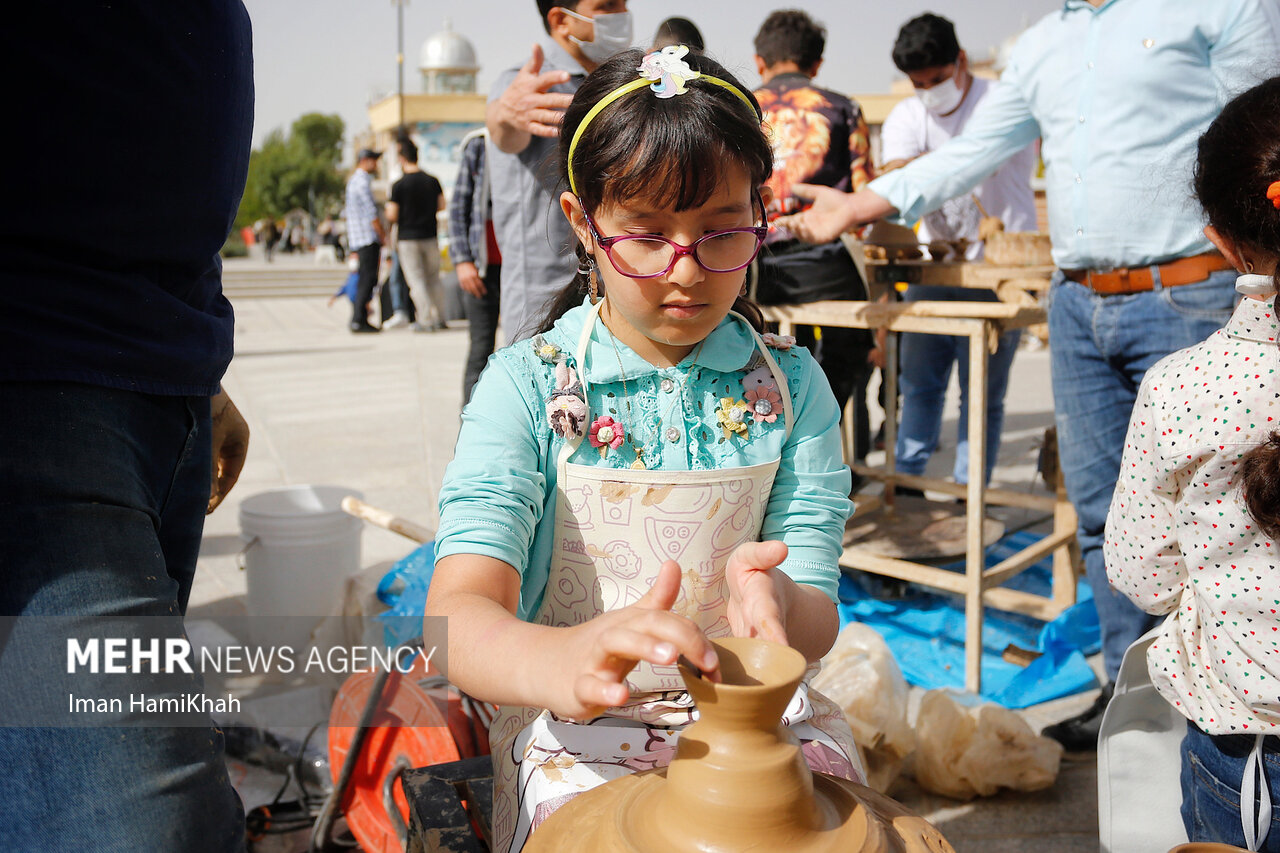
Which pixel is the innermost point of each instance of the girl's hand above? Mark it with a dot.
(598, 655)
(759, 597)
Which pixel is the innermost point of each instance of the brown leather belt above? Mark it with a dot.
(1137, 279)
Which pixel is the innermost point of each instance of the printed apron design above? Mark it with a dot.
(614, 528)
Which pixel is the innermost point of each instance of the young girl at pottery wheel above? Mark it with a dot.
(650, 470)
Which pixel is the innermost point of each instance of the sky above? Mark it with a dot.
(336, 56)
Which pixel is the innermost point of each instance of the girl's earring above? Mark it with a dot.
(587, 268)
(594, 275)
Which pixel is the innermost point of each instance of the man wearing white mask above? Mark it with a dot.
(523, 118)
(947, 94)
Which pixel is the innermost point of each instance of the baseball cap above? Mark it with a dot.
(368, 152)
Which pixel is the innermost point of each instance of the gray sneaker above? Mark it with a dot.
(396, 320)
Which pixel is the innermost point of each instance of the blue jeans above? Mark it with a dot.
(100, 523)
(1212, 772)
(398, 286)
(1099, 349)
(924, 372)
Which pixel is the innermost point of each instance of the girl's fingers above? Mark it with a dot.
(659, 637)
(757, 556)
(596, 693)
(771, 629)
(665, 590)
(623, 647)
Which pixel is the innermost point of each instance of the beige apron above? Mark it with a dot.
(614, 528)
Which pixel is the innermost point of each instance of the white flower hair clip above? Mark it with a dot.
(668, 70)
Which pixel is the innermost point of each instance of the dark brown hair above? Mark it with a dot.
(1238, 158)
(545, 7)
(1260, 482)
(673, 150)
(790, 35)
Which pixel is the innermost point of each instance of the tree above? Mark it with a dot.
(297, 171)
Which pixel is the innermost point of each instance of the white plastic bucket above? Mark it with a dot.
(299, 547)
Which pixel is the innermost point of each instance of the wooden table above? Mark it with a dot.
(982, 323)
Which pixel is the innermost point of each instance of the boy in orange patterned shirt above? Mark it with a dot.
(818, 137)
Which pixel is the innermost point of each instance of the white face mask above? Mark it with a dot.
(613, 34)
(942, 98)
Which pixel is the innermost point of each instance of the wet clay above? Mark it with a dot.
(738, 781)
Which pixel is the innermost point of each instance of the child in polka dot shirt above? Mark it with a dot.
(1196, 512)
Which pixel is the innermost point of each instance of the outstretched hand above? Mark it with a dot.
(833, 212)
(759, 595)
(822, 222)
(600, 653)
(527, 105)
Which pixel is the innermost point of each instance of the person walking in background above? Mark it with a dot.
(365, 235)
(818, 136)
(524, 111)
(473, 248)
(415, 200)
(947, 94)
(267, 234)
(1193, 526)
(1118, 91)
(117, 438)
(677, 30)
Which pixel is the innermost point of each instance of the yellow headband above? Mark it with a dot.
(665, 73)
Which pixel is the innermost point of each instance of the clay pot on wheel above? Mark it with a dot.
(738, 781)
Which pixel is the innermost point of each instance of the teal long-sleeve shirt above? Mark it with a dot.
(498, 497)
(1119, 96)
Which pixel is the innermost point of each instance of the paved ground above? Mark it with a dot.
(379, 414)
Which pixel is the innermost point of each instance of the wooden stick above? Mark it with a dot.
(388, 521)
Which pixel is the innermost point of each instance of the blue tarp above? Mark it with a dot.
(925, 631)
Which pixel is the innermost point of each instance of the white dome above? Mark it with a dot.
(447, 51)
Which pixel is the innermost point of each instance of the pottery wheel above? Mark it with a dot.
(620, 816)
(917, 529)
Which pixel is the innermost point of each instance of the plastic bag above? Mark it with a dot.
(404, 591)
(861, 676)
(963, 753)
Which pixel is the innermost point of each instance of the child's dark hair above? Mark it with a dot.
(645, 147)
(1260, 482)
(790, 35)
(1238, 158)
(928, 41)
(677, 30)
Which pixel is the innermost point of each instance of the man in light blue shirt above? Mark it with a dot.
(1119, 92)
